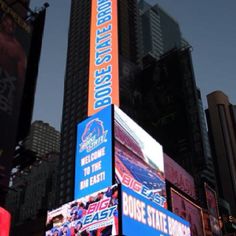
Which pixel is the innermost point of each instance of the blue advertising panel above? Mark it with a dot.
(93, 165)
(141, 216)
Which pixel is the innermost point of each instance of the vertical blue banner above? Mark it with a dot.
(93, 165)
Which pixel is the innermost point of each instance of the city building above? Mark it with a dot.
(157, 89)
(75, 105)
(160, 32)
(17, 85)
(222, 133)
(42, 139)
(32, 193)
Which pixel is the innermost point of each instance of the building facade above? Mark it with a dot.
(42, 139)
(76, 78)
(222, 132)
(158, 91)
(33, 192)
(18, 77)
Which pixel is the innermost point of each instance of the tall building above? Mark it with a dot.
(222, 132)
(161, 96)
(42, 139)
(160, 32)
(33, 192)
(17, 78)
(76, 78)
(169, 107)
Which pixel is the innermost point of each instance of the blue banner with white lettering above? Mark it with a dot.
(141, 216)
(93, 167)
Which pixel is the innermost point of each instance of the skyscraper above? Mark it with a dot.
(33, 191)
(161, 96)
(222, 131)
(42, 139)
(77, 74)
(160, 32)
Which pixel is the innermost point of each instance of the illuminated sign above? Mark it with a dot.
(139, 161)
(143, 217)
(5, 219)
(93, 167)
(189, 211)
(178, 176)
(98, 211)
(212, 209)
(103, 67)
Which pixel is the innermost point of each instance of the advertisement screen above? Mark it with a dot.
(103, 65)
(213, 210)
(141, 216)
(15, 36)
(5, 220)
(186, 209)
(93, 164)
(138, 159)
(179, 177)
(96, 214)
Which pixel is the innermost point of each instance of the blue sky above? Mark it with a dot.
(209, 26)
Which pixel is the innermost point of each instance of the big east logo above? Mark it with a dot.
(99, 212)
(93, 135)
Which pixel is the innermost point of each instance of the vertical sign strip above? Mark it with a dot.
(103, 66)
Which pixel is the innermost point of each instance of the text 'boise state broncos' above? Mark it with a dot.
(103, 54)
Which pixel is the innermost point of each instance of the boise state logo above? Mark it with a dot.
(93, 135)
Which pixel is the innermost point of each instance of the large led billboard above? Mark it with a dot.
(5, 220)
(179, 177)
(189, 211)
(93, 165)
(15, 37)
(138, 159)
(212, 206)
(103, 65)
(141, 216)
(96, 214)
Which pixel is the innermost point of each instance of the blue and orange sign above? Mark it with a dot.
(93, 166)
(103, 66)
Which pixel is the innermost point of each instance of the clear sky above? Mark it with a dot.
(208, 25)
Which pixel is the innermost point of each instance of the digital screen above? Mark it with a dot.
(179, 177)
(93, 165)
(141, 216)
(96, 214)
(103, 65)
(189, 211)
(212, 209)
(139, 161)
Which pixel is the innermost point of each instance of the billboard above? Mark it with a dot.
(141, 216)
(212, 206)
(15, 37)
(96, 214)
(5, 221)
(138, 159)
(189, 211)
(93, 164)
(103, 65)
(179, 177)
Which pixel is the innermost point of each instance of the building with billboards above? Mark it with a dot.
(160, 95)
(119, 182)
(78, 70)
